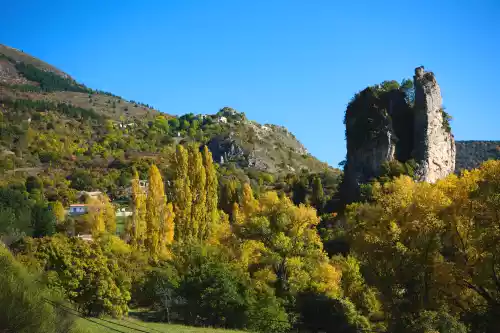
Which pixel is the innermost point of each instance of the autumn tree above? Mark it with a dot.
(159, 215)
(281, 239)
(100, 215)
(58, 211)
(429, 247)
(136, 229)
(181, 193)
(195, 194)
(212, 201)
(198, 180)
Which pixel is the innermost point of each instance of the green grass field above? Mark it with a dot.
(134, 325)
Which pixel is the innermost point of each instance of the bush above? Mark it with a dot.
(23, 302)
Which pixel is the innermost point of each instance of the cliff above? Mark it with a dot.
(405, 123)
(434, 149)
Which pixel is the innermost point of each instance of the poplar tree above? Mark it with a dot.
(109, 215)
(248, 203)
(212, 188)
(155, 211)
(198, 182)
(181, 193)
(137, 229)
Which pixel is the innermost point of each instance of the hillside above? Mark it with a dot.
(470, 154)
(62, 130)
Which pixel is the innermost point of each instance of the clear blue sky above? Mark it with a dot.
(293, 63)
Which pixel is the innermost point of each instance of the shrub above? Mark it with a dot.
(23, 302)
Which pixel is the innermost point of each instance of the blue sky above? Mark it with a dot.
(292, 63)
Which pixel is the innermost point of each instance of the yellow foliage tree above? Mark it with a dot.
(282, 239)
(137, 228)
(159, 215)
(429, 246)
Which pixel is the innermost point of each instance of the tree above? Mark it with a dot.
(43, 219)
(57, 209)
(82, 271)
(159, 216)
(198, 180)
(100, 215)
(23, 301)
(229, 195)
(182, 194)
(137, 228)
(212, 201)
(318, 195)
(434, 246)
(33, 183)
(284, 242)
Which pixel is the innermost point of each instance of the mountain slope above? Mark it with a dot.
(87, 139)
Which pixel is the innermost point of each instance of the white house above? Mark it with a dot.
(78, 209)
(222, 120)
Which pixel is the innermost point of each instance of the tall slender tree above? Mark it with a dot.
(137, 227)
(181, 193)
(156, 212)
(318, 195)
(212, 188)
(198, 183)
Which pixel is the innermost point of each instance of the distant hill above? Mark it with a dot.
(470, 154)
(51, 124)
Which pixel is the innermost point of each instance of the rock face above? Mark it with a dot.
(434, 148)
(384, 124)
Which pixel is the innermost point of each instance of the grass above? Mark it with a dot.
(135, 325)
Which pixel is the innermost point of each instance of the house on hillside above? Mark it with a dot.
(78, 209)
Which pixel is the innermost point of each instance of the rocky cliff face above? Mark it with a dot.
(389, 122)
(434, 149)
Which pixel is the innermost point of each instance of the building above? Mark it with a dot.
(78, 209)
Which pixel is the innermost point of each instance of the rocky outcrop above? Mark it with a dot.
(389, 122)
(434, 149)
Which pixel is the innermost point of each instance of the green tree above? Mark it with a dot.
(23, 302)
(318, 195)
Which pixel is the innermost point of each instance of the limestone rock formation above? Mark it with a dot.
(391, 122)
(434, 144)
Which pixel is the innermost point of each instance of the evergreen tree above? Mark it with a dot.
(318, 195)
